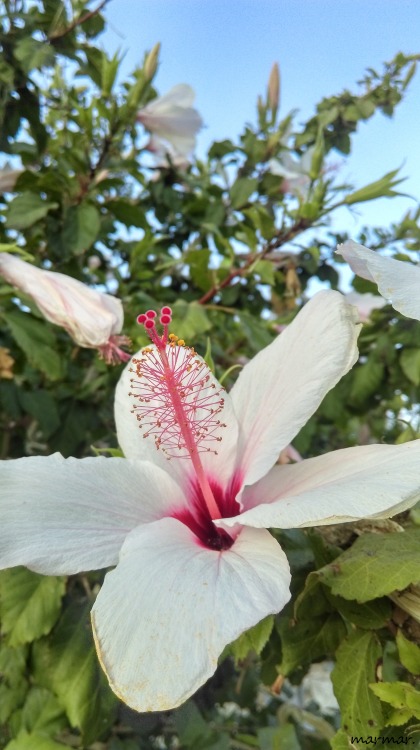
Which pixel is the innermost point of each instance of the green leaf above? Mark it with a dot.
(242, 190)
(41, 712)
(37, 342)
(81, 227)
(66, 662)
(409, 654)
(376, 565)
(278, 738)
(195, 732)
(33, 54)
(190, 320)
(309, 640)
(29, 604)
(26, 209)
(219, 149)
(410, 364)
(34, 741)
(378, 189)
(340, 741)
(11, 697)
(41, 406)
(253, 640)
(127, 213)
(201, 275)
(355, 668)
(399, 695)
(370, 616)
(366, 381)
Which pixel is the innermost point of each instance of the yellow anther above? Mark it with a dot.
(172, 337)
(181, 342)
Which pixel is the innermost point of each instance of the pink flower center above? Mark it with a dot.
(179, 405)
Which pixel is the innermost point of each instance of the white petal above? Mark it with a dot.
(164, 615)
(182, 94)
(283, 385)
(218, 456)
(397, 281)
(371, 481)
(62, 516)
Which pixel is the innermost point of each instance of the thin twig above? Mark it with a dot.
(78, 22)
(273, 244)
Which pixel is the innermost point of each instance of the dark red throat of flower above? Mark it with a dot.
(178, 402)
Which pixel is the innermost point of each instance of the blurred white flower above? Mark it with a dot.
(365, 304)
(173, 119)
(295, 173)
(398, 281)
(165, 155)
(317, 687)
(91, 318)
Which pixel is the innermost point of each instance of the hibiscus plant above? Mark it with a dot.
(209, 533)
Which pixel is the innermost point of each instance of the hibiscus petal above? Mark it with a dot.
(219, 461)
(164, 615)
(397, 281)
(283, 385)
(371, 481)
(62, 516)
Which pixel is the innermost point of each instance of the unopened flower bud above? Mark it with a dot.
(91, 318)
(273, 92)
(151, 62)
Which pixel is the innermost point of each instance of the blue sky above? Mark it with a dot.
(225, 50)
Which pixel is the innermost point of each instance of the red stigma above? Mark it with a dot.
(147, 320)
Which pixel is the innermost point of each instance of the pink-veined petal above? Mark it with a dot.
(397, 281)
(165, 614)
(219, 461)
(283, 385)
(62, 516)
(89, 316)
(370, 481)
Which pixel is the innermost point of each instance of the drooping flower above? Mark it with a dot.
(91, 318)
(184, 516)
(397, 281)
(295, 173)
(173, 120)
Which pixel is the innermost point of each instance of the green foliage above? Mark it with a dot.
(29, 604)
(375, 565)
(357, 658)
(233, 251)
(67, 663)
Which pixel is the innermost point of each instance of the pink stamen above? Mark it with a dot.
(179, 404)
(112, 353)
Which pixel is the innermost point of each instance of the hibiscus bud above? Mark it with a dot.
(91, 318)
(273, 93)
(151, 62)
